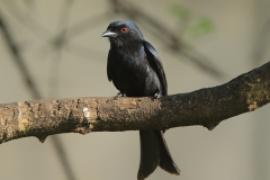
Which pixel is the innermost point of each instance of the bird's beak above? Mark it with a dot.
(109, 33)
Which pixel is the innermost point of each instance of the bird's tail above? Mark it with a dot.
(154, 152)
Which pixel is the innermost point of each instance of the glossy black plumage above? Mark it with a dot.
(136, 71)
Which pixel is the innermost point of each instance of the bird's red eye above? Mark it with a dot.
(124, 29)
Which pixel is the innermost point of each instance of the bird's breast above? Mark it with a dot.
(134, 77)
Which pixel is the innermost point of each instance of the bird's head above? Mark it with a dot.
(123, 33)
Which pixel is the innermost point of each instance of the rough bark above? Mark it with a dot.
(206, 107)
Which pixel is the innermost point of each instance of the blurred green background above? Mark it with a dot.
(201, 44)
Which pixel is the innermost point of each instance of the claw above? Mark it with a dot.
(156, 95)
(118, 95)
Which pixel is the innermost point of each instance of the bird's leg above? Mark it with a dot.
(156, 95)
(118, 95)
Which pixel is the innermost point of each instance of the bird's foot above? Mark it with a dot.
(156, 95)
(118, 95)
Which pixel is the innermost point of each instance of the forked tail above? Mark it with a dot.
(154, 152)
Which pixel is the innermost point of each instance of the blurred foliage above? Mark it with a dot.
(200, 27)
(180, 12)
(190, 24)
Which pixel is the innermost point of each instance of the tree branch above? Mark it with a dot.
(206, 107)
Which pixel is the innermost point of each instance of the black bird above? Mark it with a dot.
(136, 71)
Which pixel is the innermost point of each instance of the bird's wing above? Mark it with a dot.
(109, 66)
(156, 65)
